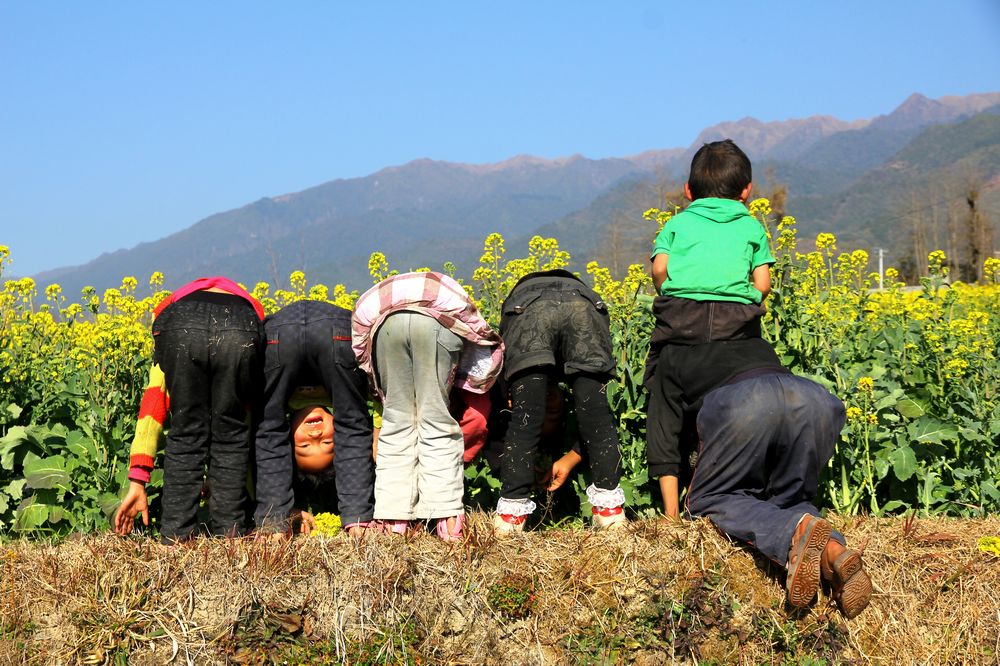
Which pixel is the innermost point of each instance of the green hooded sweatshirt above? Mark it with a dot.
(712, 247)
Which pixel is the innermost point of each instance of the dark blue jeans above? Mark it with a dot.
(309, 344)
(764, 443)
(208, 346)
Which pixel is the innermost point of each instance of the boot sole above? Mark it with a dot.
(853, 587)
(803, 576)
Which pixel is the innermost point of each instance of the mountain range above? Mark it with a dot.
(860, 180)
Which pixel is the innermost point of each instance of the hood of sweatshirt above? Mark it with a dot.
(722, 211)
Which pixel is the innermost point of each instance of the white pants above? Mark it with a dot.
(418, 468)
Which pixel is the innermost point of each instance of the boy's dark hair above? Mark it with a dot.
(719, 169)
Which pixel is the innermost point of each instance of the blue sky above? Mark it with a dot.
(124, 122)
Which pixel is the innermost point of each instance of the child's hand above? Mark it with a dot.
(308, 522)
(134, 504)
(561, 470)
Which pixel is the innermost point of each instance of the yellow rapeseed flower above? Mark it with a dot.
(991, 269)
(260, 290)
(318, 292)
(297, 280)
(826, 242)
(760, 207)
(989, 545)
(378, 266)
(327, 525)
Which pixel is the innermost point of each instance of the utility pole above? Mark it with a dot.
(881, 257)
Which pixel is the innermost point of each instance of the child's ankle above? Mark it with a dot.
(833, 550)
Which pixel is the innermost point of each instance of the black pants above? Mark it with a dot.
(208, 346)
(309, 343)
(600, 438)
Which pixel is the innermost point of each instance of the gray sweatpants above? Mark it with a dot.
(418, 468)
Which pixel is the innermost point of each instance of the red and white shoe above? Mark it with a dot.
(506, 523)
(605, 518)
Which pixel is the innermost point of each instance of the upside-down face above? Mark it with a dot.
(312, 439)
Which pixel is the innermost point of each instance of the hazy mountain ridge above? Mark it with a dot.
(863, 205)
(932, 170)
(420, 204)
(426, 211)
(776, 139)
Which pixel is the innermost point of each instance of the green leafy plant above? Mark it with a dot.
(513, 596)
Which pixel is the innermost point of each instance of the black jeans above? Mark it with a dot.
(597, 430)
(308, 344)
(208, 346)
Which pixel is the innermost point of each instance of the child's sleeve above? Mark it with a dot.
(149, 427)
(473, 416)
(663, 241)
(761, 249)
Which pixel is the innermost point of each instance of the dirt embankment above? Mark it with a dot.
(653, 593)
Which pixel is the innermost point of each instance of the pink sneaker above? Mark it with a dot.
(401, 527)
(450, 530)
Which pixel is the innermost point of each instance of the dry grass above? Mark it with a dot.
(653, 593)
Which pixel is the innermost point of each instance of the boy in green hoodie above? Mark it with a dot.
(714, 251)
(711, 266)
(764, 434)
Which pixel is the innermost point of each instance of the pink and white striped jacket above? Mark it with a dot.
(441, 297)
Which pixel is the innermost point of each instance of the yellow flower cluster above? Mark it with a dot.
(327, 525)
(301, 290)
(786, 234)
(297, 280)
(620, 296)
(991, 269)
(936, 263)
(661, 217)
(989, 545)
(105, 338)
(378, 266)
(606, 286)
(760, 208)
(496, 276)
(825, 297)
(826, 242)
(46, 350)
